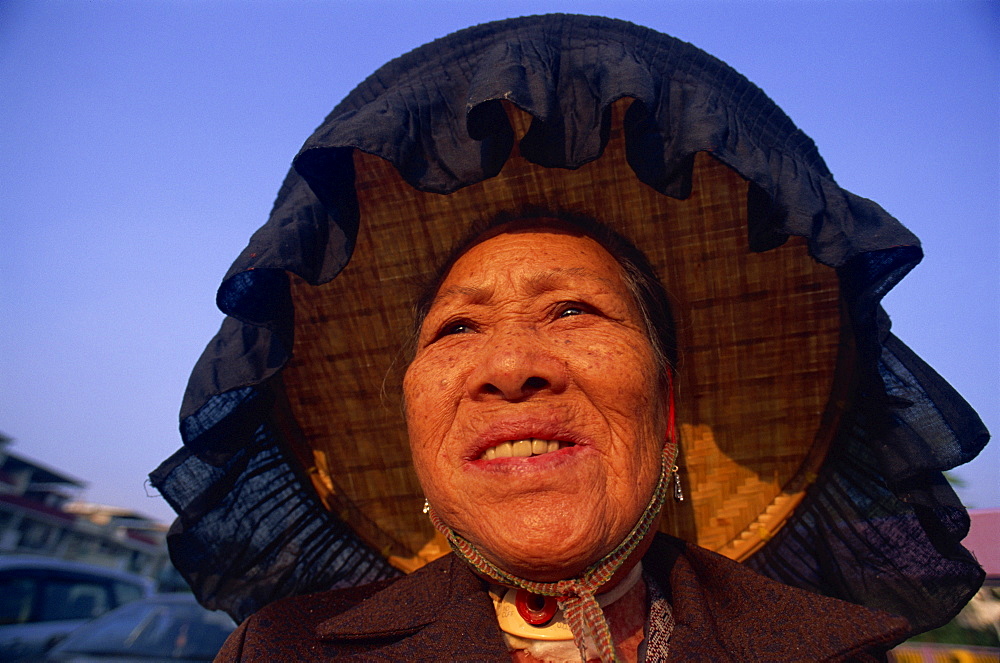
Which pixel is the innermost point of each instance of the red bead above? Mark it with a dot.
(534, 608)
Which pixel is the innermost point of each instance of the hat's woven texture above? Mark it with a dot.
(878, 525)
(758, 351)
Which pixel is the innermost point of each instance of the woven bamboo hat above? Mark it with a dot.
(798, 453)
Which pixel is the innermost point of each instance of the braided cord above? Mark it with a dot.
(576, 596)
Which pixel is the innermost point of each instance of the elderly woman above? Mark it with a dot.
(539, 397)
(540, 413)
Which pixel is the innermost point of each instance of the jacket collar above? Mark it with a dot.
(431, 610)
(729, 612)
(722, 611)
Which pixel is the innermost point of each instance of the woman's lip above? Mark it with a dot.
(546, 462)
(527, 448)
(550, 429)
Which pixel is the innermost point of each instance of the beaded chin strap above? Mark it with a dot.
(576, 596)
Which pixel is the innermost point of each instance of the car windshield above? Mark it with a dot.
(162, 630)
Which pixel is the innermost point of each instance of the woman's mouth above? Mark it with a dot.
(525, 448)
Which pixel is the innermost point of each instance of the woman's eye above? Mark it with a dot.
(571, 310)
(460, 327)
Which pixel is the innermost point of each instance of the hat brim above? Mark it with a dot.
(759, 392)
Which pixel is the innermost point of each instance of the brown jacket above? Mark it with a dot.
(723, 612)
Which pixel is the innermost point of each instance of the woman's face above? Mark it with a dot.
(533, 345)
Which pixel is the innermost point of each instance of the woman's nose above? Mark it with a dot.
(515, 367)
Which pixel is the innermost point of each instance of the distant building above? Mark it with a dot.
(38, 516)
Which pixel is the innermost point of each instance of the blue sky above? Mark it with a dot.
(143, 142)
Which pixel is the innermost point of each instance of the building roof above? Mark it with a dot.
(42, 474)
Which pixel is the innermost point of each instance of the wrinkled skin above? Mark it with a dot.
(533, 334)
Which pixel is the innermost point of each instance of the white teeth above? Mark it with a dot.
(523, 448)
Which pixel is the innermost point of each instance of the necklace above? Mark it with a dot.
(535, 617)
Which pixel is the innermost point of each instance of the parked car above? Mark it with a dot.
(42, 599)
(167, 627)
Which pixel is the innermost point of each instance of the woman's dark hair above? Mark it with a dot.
(638, 274)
